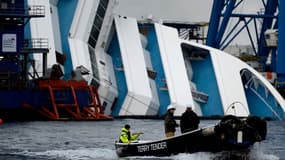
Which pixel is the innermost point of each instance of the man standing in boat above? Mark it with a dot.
(169, 121)
(189, 120)
(126, 136)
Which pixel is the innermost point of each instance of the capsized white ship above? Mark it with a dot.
(141, 68)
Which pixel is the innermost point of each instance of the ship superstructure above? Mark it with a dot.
(141, 67)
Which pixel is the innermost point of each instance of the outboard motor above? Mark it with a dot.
(258, 124)
(228, 127)
(233, 130)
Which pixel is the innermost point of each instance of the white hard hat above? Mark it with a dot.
(189, 106)
(171, 106)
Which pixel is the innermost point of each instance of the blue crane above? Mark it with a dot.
(272, 17)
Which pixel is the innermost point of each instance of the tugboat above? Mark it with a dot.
(230, 134)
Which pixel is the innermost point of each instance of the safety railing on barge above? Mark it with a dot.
(65, 97)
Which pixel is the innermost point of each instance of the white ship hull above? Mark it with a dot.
(143, 67)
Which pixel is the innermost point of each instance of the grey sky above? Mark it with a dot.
(186, 10)
(182, 10)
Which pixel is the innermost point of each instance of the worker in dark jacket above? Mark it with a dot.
(189, 120)
(126, 136)
(169, 121)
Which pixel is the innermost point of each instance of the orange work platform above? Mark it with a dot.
(60, 110)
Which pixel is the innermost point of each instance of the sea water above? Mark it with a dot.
(90, 140)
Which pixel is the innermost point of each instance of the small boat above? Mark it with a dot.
(230, 134)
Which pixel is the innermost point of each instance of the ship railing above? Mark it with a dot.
(30, 11)
(199, 96)
(35, 45)
(253, 84)
(36, 10)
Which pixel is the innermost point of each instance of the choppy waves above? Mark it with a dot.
(95, 141)
(74, 154)
(109, 154)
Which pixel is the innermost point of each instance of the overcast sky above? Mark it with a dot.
(186, 10)
(182, 10)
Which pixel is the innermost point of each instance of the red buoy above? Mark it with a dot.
(1, 121)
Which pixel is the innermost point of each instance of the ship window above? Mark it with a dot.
(95, 33)
(193, 52)
(97, 23)
(101, 11)
(94, 62)
(92, 42)
(104, 3)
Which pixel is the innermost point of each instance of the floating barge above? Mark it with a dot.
(31, 93)
(53, 100)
